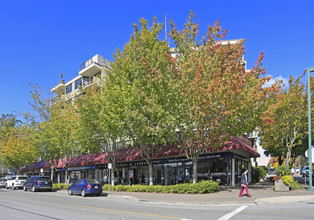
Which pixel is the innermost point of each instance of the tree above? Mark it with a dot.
(18, 146)
(217, 97)
(101, 121)
(56, 125)
(142, 76)
(289, 127)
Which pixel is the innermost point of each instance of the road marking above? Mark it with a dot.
(135, 213)
(17, 197)
(229, 215)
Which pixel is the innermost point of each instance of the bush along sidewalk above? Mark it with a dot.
(201, 187)
(59, 186)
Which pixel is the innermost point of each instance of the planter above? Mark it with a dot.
(280, 186)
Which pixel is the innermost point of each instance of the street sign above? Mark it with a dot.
(307, 154)
(109, 166)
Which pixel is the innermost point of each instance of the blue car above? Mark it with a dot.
(38, 183)
(85, 187)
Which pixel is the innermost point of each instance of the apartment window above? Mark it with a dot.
(78, 83)
(68, 89)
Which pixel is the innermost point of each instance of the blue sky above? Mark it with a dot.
(39, 40)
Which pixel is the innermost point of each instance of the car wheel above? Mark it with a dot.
(6, 186)
(70, 192)
(33, 189)
(24, 188)
(99, 194)
(83, 194)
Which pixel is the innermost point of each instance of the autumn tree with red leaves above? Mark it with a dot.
(216, 96)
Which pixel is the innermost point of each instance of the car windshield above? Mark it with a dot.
(92, 181)
(45, 178)
(22, 178)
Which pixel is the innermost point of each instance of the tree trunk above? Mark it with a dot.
(195, 159)
(288, 158)
(66, 176)
(150, 172)
(52, 172)
(112, 172)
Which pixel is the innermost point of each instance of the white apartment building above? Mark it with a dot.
(91, 74)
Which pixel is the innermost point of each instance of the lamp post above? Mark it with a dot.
(309, 70)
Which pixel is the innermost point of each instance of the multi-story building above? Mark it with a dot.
(91, 74)
(170, 165)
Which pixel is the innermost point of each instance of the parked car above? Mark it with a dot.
(271, 171)
(85, 187)
(38, 183)
(16, 182)
(2, 183)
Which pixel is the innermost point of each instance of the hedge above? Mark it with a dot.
(201, 187)
(59, 186)
(258, 173)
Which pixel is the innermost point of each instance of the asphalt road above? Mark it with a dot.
(17, 204)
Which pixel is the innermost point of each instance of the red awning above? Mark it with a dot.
(127, 155)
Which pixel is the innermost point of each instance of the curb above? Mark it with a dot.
(259, 201)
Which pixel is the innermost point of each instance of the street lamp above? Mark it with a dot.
(309, 70)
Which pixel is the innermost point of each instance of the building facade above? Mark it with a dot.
(170, 166)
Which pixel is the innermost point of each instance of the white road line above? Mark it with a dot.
(229, 215)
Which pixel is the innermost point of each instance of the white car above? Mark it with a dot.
(16, 182)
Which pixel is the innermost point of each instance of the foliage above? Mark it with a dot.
(143, 82)
(59, 186)
(201, 187)
(18, 146)
(101, 121)
(218, 97)
(57, 122)
(258, 173)
(286, 134)
(276, 178)
(293, 184)
(283, 171)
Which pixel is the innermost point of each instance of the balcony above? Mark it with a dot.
(59, 89)
(93, 66)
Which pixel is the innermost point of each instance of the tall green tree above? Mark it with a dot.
(18, 147)
(288, 129)
(142, 75)
(218, 97)
(101, 119)
(56, 128)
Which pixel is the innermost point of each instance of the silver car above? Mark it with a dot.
(2, 183)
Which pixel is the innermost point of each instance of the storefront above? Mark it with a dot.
(224, 165)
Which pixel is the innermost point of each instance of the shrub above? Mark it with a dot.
(258, 173)
(282, 171)
(59, 186)
(295, 185)
(287, 179)
(201, 187)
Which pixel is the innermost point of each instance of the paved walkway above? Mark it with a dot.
(261, 194)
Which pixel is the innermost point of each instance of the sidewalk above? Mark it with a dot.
(261, 194)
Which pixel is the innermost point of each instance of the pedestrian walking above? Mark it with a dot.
(244, 183)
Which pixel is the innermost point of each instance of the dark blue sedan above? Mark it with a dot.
(38, 183)
(85, 187)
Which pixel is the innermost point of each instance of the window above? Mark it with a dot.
(68, 89)
(22, 178)
(78, 83)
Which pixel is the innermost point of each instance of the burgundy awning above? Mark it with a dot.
(127, 155)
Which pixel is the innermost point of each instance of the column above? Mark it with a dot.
(233, 171)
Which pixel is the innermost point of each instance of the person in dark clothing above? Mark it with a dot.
(244, 183)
